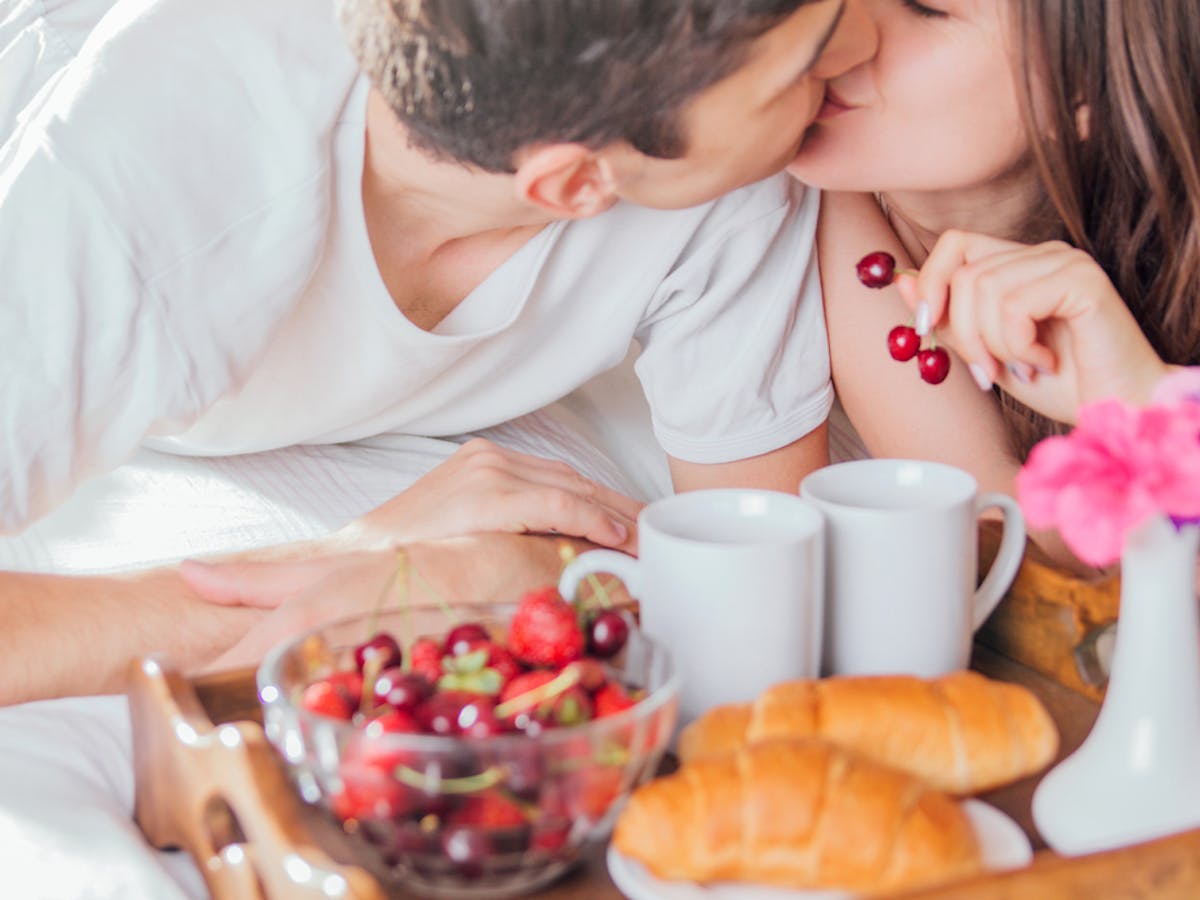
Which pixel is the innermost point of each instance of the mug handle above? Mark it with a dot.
(1008, 557)
(623, 566)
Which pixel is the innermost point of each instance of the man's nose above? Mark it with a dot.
(855, 41)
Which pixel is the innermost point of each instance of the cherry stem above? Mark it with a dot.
(392, 580)
(469, 785)
(446, 608)
(566, 553)
(567, 678)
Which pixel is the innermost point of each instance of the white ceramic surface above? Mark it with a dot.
(1004, 845)
(732, 583)
(1137, 775)
(901, 541)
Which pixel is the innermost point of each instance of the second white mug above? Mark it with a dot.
(901, 541)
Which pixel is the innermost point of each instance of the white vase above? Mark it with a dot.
(1137, 775)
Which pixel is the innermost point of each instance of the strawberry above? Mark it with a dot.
(545, 631)
(425, 658)
(611, 699)
(489, 810)
(327, 698)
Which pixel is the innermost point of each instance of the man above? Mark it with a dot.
(221, 238)
(235, 236)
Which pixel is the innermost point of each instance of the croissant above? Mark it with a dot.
(962, 732)
(798, 814)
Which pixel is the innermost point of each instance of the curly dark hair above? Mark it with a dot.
(475, 80)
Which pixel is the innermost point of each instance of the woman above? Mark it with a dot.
(1054, 125)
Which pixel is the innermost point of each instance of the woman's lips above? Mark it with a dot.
(833, 106)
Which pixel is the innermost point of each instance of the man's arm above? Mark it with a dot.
(779, 470)
(67, 636)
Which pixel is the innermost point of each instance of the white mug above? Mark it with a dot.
(901, 540)
(731, 582)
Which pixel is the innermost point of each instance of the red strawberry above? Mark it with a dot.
(489, 810)
(611, 699)
(370, 793)
(591, 791)
(425, 658)
(328, 698)
(544, 631)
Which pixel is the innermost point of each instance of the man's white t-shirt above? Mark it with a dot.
(189, 267)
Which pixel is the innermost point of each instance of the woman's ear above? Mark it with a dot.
(569, 181)
(1083, 121)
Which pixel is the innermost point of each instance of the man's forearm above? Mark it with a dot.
(66, 636)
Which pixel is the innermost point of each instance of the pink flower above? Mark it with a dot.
(1117, 469)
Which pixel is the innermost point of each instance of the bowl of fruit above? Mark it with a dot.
(472, 752)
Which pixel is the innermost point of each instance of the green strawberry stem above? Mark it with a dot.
(468, 785)
(566, 679)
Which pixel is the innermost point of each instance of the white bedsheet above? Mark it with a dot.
(66, 780)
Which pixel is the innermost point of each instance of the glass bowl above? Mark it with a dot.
(420, 811)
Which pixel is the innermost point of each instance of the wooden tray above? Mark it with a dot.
(207, 780)
(219, 791)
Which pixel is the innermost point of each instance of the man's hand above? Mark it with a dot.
(476, 569)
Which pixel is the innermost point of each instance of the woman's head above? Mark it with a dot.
(1088, 108)
(937, 109)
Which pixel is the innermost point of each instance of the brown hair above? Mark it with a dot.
(476, 80)
(1126, 189)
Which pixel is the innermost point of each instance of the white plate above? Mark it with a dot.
(1004, 846)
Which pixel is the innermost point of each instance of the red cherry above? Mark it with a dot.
(460, 638)
(607, 634)
(933, 364)
(477, 719)
(380, 651)
(876, 270)
(903, 342)
(402, 690)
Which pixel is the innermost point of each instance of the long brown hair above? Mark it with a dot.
(1124, 174)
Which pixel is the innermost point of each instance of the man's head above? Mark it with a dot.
(488, 83)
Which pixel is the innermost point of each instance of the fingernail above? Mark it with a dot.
(621, 530)
(923, 314)
(980, 376)
(1023, 372)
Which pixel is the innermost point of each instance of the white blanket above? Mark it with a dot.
(66, 779)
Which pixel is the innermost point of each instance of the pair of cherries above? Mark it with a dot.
(878, 270)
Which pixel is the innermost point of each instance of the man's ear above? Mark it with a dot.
(569, 181)
(1083, 121)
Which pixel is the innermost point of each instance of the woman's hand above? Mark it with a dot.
(485, 487)
(1043, 321)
